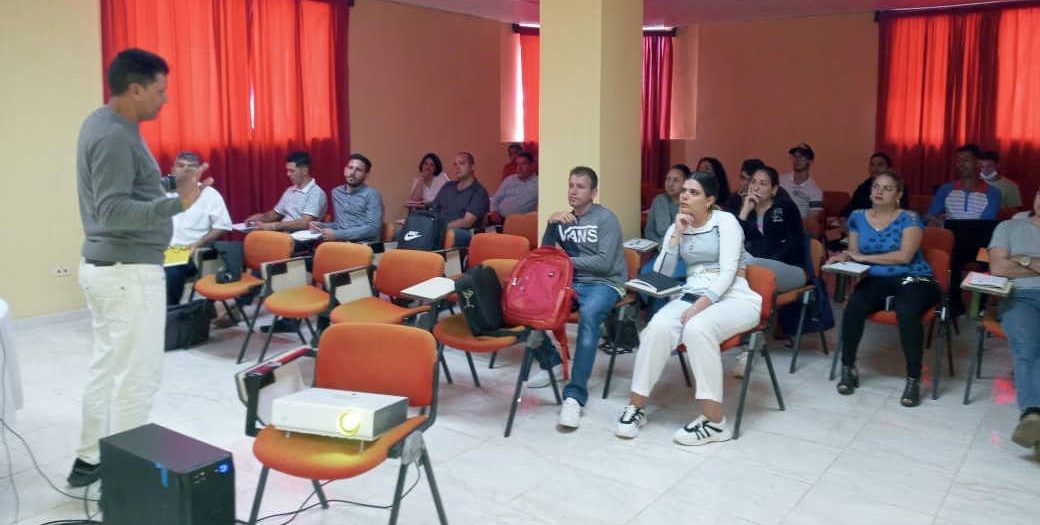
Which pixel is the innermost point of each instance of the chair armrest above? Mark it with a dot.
(350, 284)
(285, 273)
(251, 380)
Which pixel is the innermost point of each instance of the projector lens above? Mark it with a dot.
(349, 423)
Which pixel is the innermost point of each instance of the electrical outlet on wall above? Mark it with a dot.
(62, 271)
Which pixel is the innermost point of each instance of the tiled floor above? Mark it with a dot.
(826, 459)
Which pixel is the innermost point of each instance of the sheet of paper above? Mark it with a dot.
(242, 227)
(305, 235)
(431, 289)
(848, 267)
(176, 256)
(640, 245)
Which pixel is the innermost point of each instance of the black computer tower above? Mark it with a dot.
(153, 475)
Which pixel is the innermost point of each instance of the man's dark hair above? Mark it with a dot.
(302, 159)
(437, 166)
(883, 155)
(527, 155)
(469, 156)
(974, 149)
(989, 155)
(364, 160)
(750, 166)
(189, 156)
(134, 66)
(585, 171)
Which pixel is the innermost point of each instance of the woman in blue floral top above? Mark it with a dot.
(888, 239)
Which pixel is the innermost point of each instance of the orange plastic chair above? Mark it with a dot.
(454, 331)
(398, 269)
(940, 263)
(920, 203)
(763, 282)
(259, 248)
(524, 225)
(834, 202)
(377, 358)
(805, 295)
(387, 233)
(301, 302)
(937, 238)
(496, 246)
(989, 325)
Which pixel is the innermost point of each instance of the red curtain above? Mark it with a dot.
(957, 76)
(657, 108)
(530, 58)
(250, 80)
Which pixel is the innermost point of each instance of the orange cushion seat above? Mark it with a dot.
(373, 310)
(319, 457)
(297, 303)
(453, 331)
(889, 317)
(209, 288)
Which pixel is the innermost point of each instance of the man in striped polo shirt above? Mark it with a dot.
(967, 197)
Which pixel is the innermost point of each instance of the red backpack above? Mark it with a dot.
(539, 292)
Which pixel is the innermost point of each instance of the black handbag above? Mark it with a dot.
(188, 324)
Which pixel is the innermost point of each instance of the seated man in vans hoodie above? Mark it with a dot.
(591, 235)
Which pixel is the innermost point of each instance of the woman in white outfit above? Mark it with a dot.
(716, 304)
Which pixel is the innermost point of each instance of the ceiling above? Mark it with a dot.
(686, 12)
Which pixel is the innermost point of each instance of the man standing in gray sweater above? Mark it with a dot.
(591, 236)
(127, 224)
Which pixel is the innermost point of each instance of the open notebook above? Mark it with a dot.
(655, 283)
(986, 283)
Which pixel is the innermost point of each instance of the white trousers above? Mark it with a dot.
(127, 304)
(738, 311)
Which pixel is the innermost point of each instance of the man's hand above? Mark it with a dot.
(269, 226)
(563, 217)
(187, 184)
(327, 234)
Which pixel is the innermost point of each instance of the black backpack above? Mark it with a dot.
(231, 253)
(188, 324)
(423, 230)
(480, 299)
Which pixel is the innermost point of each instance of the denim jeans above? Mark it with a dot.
(595, 301)
(1020, 318)
(462, 237)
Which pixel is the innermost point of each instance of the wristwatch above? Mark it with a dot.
(1024, 260)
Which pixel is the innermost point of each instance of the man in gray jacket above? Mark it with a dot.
(591, 236)
(127, 223)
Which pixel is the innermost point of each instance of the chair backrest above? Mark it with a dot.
(763, 282)
(503, 268)
(336, 256)
(399, 269)
(1004, 214)
(387, 234)
(524, 225)
(818, 254)
(632, 262)
(937, 238)
(379, 358)
(834, 202)
(263, 246)
(496, 246)
(939, 260)
(920, 203)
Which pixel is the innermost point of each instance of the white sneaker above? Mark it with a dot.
(541, 378)
(631, 420)
(570, 413)
(701, 431)
(741, 364)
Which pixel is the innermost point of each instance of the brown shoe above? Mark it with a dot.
(1027, 433)
(227, 320)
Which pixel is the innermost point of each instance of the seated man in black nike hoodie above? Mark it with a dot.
(591, 235)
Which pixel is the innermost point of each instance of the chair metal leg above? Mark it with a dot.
(744, 387)
(472, 369)
(949, 350)
(685, 369)
(823, 343)
(310, 327)
(299, 332)
(976, 364)
(930, 335)
(798, 336)
(402, 473)
(249, 328)
(491, 363)
(321, 494)
(555, 386)
(937, 373)
(267, 342)
(610, 374)
(521, 376)
(772, 376)
(259, 495)
(441, 515)
(444, 363)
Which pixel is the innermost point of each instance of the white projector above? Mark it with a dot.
(339, 413)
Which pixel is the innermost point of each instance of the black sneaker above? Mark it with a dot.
(83, 473)
(849, 380)
(911, 392)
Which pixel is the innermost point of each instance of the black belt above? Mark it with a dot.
(100, 263)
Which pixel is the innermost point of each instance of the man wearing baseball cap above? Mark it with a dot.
(803, 190)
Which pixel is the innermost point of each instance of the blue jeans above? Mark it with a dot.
(595, 301)
(656, 303)
(462, 237)
(1020, 318)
